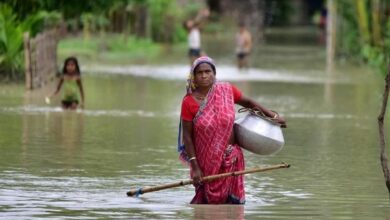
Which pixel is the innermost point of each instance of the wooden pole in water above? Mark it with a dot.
(140, 191)
(27, 61)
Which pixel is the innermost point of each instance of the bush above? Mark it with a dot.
(165, 21)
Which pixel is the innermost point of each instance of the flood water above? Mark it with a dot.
(58, 164)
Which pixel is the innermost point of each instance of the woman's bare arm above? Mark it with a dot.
(80, 84)
(190, 150)
(59, 85)
(250, 103)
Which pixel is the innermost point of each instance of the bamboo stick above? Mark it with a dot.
(140, 191)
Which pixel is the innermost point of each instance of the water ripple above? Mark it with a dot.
(38, 110)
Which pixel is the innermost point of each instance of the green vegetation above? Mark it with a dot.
(140, 30)
(11, 42)
(364, 31)
(125, 29)
(165, 25)
(115, 48)
(11, 37)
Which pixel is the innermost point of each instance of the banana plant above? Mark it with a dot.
(11, 43)
(11, 37)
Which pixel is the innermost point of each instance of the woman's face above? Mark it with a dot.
(70, 67)
(204, 75)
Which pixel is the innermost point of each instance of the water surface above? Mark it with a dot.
(80, 164)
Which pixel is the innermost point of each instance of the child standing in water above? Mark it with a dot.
(71, 82)
(243, 46)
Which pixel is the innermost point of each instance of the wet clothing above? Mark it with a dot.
(68, 104)
(70, 90)
(194, 52)
(212, 129)
(242, 55)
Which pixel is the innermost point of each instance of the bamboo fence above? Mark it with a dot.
(40, 55)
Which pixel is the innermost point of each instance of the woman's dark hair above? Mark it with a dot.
(74, 60)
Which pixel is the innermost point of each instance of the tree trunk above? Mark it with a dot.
(376, 22)
(258, 17)
(331, 32)
(141, 22)
(381, 117)
(362, 19)
(251, 12)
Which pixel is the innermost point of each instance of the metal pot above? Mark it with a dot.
(258, 134)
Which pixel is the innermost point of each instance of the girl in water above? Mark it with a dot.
(72, 85)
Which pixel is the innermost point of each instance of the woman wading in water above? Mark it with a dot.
(207, 118)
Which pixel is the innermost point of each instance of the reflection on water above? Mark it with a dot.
(37, 110)
(80, 164)
(63, 131)
(222, 212)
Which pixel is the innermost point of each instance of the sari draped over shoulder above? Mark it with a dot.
(213, 126)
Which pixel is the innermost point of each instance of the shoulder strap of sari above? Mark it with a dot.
(204, 103)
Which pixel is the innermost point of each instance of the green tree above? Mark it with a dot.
(361, 34)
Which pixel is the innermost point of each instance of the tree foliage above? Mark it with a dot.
(11, 42)
(365, 30)
(158, 20)
(11, 37)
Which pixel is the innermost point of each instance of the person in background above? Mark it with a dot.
(243, 46)
(319, 19)
(194, 37)
(207, 118)
(322, 25)
(71, 85)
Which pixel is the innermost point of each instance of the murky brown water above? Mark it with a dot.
(56, 164)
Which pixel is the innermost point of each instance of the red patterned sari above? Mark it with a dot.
(213, 126)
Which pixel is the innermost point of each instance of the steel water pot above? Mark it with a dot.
(258, 134)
